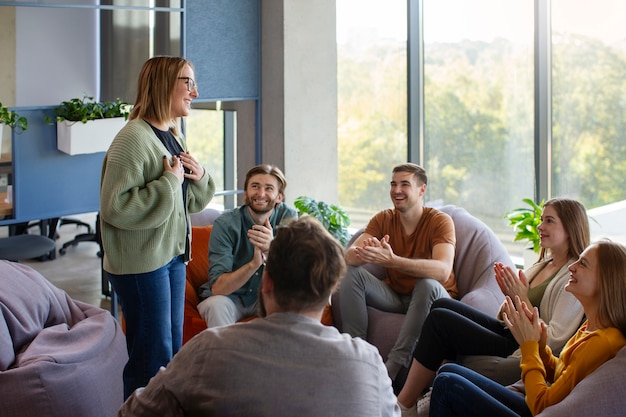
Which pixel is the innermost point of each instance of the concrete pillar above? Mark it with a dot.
(299, 94)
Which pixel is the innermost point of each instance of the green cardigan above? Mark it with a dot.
(142, 217)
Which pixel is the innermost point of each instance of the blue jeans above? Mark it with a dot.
(153, 306)
(459, 391)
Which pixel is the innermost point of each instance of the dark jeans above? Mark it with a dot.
(153, 307)
(453, 328)
(459, 391)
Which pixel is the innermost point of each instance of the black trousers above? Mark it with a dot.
(453, 328)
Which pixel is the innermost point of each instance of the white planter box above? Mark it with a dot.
(75, 138)
(5, 139)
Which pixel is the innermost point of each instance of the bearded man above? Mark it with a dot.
(240, 242)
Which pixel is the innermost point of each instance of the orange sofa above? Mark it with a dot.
(197, 274)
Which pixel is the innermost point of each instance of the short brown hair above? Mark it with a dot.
(157, 80)
(270, 170)
(416, 170)
(305, 263)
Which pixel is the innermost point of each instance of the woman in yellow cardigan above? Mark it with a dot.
(598, 281)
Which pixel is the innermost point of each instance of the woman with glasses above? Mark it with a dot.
(149, 185)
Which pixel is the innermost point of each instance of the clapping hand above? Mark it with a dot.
(375, 251)
(510, 284)
(261, 236)
(524, 323)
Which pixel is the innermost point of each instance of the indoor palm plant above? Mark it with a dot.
(524, 221)
(332, 216)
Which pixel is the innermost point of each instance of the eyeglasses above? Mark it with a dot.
(191, 84)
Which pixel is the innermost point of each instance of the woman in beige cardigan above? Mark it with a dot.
(454, 330)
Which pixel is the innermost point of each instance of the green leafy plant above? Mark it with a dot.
(12, 119)
(524, 221)
(86, 109)
(332, 216)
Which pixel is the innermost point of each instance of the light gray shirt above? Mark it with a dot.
(283, 365)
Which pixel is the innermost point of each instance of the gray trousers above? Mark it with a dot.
(220, 310)
(360, 289)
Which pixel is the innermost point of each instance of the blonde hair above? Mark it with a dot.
(612, 284)
(157, 80)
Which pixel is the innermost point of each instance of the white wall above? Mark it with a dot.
(57, 54)
(299, 95)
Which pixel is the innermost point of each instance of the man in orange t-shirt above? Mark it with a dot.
(415, 245)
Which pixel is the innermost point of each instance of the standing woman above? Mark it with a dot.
(598, 281)
(149, 185)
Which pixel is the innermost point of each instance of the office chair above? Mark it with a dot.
(90, 236)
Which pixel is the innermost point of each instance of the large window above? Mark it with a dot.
(589, 104)
(205, 139)
(372, 102)
(479, 104)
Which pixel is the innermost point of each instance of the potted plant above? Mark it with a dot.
(332, 216)
(524, 221)
(13, 120)
(88, 126)
(10, 120)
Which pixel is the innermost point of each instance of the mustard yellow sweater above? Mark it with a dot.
(582, 354)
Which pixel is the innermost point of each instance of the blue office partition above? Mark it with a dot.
(222, 40)
(48, 183)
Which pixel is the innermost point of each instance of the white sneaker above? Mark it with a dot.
(423, 405)
(408, 412)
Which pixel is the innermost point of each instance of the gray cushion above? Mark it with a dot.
(204, 217)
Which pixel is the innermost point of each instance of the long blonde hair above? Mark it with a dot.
(155, 88)
(612, 284)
